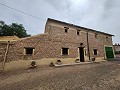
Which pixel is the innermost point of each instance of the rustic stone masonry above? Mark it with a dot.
(2, 50)
(56, 32)
(117, 49)
(58, 35)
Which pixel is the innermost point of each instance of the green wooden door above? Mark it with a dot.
(109, 52)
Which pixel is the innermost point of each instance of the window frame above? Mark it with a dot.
(27, 50)
(95, 53)
(96, 35)
(78, 32)
(63, 52)
(107, 38)
(66, 29)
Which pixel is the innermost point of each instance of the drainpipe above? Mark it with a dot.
(3, 65)
(88, 45)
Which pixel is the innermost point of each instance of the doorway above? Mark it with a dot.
(109, 52)
(81, 53)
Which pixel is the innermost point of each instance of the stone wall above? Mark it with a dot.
(16, 50)
(57, 33)
(49, 44)
(2, 50)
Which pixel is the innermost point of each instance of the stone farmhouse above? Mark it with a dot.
(60, 41)
(117, 49)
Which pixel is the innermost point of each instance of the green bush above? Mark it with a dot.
(33, 63)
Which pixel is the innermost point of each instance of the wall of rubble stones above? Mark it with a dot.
(49, 44)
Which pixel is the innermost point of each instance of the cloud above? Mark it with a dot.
(102, 15)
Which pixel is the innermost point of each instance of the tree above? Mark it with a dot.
(12, 29)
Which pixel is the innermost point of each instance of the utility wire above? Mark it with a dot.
(21, 11)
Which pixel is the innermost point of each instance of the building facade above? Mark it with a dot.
(63, 41)
(117, 49)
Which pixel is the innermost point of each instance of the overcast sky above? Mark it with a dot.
(101, 15)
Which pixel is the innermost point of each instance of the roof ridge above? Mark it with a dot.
(78, 26)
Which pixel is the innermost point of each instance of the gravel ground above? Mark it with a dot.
(94, 76)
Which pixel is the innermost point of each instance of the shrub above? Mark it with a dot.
(33, 63)
(52, 64)
(59, 62)
(77, 60)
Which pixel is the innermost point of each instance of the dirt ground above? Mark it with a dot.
(94, 76)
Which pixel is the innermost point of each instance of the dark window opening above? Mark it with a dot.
(65, 51)
(95, 52)
(78, 33)
(96, 35)
(66, 29)
(106, 38)
(29, 50)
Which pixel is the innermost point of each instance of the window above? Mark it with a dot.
(106, 38)
(66, 29)
(96, 35)
(78, 32)
(95, 52)
(29, 51)
(65, 51)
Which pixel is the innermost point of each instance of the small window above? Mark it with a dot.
(78, 32)
(96, 35)
(106, 38)
(66, 29)
(65, 51)
(95, 52)
(29, 51)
